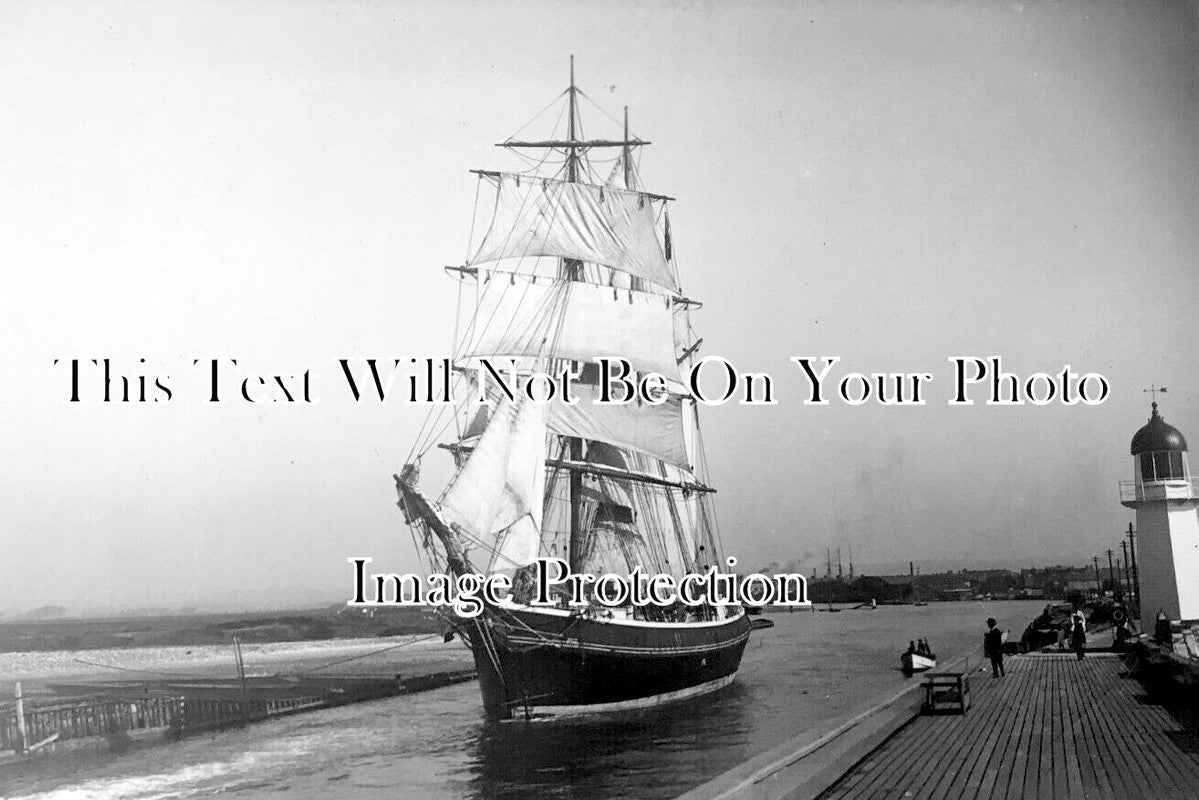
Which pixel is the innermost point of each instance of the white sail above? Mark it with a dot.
(596, 224)
(655, 430)
(570, 319)
(499, 490)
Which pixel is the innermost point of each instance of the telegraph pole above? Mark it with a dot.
(1111, 571)
(1127, 586)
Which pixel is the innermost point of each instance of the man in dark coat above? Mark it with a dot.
(1078, 634)
(993, 647)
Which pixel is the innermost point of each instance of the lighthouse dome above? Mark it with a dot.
(1157, 435)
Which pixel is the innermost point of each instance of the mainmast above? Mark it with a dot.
(570, 269)
(572, 155)
(573, 270)
(574, 146)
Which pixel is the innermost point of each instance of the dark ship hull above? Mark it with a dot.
(547, 662)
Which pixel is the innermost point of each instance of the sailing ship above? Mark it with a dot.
(576, 264)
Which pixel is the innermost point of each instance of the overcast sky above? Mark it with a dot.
(281, 182)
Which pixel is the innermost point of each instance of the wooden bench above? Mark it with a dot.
(946, 691)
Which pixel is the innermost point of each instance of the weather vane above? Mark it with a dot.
(1153, 390)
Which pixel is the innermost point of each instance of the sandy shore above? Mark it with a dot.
(409, 655)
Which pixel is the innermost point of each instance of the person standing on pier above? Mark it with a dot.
(1078, 634)
(993, 647)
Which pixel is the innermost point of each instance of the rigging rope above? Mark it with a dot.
(182, 675)
(368, 655)
(423, 443)
(538, 114)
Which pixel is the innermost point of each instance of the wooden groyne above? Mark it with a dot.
(177, 708)
(86, 717)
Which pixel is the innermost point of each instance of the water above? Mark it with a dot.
(809, 669)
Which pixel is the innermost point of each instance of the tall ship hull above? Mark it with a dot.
(537, 663)
(576, 269)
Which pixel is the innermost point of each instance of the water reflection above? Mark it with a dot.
(656, 751)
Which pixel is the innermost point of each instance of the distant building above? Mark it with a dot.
(1059, 581)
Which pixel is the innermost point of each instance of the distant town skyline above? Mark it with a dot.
(930, 568)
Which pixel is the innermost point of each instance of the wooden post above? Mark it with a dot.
(21, 737)
(241, 677)
(1136, 574)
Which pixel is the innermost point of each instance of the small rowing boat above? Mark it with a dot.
(918, 657)
(914, 662)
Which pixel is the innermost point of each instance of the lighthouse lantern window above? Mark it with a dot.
(1163, 465)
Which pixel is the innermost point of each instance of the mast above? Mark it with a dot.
(573, 270)
(572, 155)
(570, 449)
(625, 152)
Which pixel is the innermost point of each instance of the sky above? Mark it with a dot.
(281, 183)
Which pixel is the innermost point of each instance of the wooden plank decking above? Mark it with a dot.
(1055, 727)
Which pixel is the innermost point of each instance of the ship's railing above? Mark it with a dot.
(1177, 489)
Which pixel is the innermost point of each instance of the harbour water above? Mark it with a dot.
(809, 669)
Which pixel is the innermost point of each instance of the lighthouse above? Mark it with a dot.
(1164, 495)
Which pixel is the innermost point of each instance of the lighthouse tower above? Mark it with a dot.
(1165, 497)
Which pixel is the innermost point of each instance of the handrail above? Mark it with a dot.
(1170, 489)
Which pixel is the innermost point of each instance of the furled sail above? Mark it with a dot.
(499, 490)
(580, 321)
(596, 224)
(611, 540)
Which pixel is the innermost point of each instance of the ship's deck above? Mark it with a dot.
(1055, 727)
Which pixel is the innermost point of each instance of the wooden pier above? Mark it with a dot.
(1055, 727)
